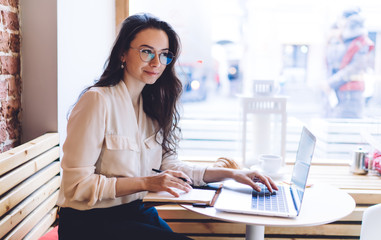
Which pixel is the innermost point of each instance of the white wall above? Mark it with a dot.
(86, 31)
(65, 44)
(38, 67)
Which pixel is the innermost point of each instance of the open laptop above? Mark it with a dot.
(286, 202)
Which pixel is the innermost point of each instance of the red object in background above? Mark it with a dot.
(376, 154)
(377, 161)
(367, 162)
(377, 164)
(51, 235)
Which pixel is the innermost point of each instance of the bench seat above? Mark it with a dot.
(29, 183)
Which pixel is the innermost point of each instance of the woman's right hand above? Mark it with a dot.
(166, 181)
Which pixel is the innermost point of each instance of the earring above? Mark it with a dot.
(122, 65)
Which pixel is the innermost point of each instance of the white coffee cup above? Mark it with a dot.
(270, 163)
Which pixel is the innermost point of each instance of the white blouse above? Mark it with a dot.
(105, 141)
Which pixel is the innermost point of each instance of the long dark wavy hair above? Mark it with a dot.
(159, 99)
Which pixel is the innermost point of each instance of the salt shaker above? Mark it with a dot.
(360, 160)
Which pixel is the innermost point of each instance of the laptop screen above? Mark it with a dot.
(302, 165)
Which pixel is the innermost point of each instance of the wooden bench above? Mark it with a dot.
(29, 183)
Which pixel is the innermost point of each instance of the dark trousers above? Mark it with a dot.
(128, 221)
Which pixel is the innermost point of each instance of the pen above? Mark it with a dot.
(159, 171)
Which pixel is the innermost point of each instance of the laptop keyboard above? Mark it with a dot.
(267, 201)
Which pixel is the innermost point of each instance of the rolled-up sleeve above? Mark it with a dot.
(195, 172)
(81, 150)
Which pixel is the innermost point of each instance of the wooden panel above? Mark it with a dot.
(356, 215)
(28, 205)
(18, 175)
(168, 212)
(16, 195)
(213, 227)
(208, 227)
(320, 230)
(32, 219)
(43, 226)
(365, 189)
(29, 184)
(365, 197)
(23, 153)
(121, 11)
(222, 228)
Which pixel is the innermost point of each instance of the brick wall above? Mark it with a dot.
(10, 81)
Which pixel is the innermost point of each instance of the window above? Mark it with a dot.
(229, 45)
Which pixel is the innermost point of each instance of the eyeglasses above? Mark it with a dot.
(146, 55)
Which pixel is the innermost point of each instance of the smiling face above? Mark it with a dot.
(138, 72)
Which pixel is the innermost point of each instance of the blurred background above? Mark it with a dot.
(296, 45)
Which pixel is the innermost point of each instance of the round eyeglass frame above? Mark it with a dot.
(160, 55)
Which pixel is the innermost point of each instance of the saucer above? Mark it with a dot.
(279, 175)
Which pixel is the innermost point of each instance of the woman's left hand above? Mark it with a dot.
(248, 177)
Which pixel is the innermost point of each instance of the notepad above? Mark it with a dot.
(203, 196)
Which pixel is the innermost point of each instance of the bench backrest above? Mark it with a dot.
(29, 183)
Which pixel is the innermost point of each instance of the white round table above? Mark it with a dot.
(321, 204)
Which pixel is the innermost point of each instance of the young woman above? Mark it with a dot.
(120, 129)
